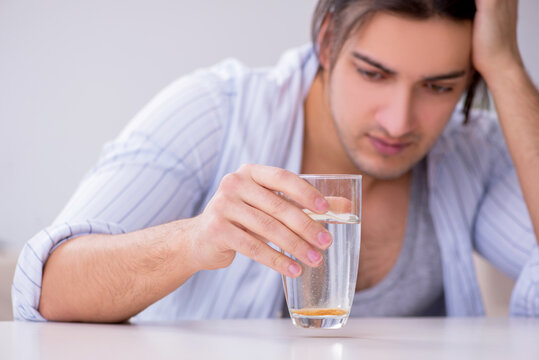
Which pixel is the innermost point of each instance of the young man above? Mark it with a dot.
(172, 225)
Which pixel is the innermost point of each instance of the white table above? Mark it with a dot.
(408, 338)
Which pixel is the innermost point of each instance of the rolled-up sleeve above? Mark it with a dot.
(26, 287)
(504, 234)
(525, 296)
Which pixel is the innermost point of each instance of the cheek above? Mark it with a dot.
(432, 117)
(351, 102)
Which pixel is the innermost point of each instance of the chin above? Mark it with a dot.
(370, 163)
(386, 174)
(380, 171)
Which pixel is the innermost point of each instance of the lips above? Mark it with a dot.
(387, 148)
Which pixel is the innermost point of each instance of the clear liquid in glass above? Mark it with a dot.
(322, 297)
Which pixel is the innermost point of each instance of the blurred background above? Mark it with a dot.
(73, 73)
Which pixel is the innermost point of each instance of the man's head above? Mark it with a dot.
(395, 70)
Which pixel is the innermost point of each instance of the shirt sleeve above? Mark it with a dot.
(504, 234)
(155, 171)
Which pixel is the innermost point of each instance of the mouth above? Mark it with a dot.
(387, 147)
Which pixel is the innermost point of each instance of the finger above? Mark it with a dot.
(270, 229)
(339, 205)
(261, 252)
(285, 213)
(288, 183)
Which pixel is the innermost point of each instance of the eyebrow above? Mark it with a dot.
(448, 76)
(376, 64)
(372, 62)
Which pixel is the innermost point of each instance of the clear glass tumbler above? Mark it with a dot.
(322, 297)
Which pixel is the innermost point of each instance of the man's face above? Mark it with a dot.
(394, 87)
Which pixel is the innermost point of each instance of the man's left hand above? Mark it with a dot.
(494, 44)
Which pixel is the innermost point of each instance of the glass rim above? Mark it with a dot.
(331, 176)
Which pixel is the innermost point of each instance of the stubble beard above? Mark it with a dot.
(354, 155)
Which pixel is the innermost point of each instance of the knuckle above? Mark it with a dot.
(278, 205)
(276, 261)
(255, 249)
(283, 174)
(246, 168)
(268, 223)
(308, 225)
(230, 182)
(294, 245)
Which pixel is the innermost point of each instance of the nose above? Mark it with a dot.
(395, 115)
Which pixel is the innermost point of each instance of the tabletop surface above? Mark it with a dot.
(382, 338)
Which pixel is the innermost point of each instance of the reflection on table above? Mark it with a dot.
(408, 338)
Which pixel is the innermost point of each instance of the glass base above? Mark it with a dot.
(319, 322)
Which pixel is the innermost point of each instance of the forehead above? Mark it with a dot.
(419, 47)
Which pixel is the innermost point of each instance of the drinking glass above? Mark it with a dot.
(321, 297)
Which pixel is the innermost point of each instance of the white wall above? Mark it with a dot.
(72, 73)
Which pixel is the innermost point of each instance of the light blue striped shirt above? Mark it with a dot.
(168, 162)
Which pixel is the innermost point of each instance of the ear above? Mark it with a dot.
(325, 42)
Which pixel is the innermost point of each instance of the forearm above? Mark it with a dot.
(517, 103)
(110, 278)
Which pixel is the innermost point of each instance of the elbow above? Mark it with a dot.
(54, 309)
(51, 309)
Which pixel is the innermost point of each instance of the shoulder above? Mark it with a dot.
(482, 129)
(478, 145)
(230, 81)
(294, 69)
(288, 65)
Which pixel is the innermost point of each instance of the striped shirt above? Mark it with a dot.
(168, 162)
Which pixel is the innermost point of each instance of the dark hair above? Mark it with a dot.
(347, 16)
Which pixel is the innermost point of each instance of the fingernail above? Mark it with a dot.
(324, 238)
(314, 256)
(294, 269)
(321, 204)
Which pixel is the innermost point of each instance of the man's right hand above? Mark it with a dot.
(246, 214)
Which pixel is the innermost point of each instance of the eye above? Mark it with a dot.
(438, 89)
(370, 75)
